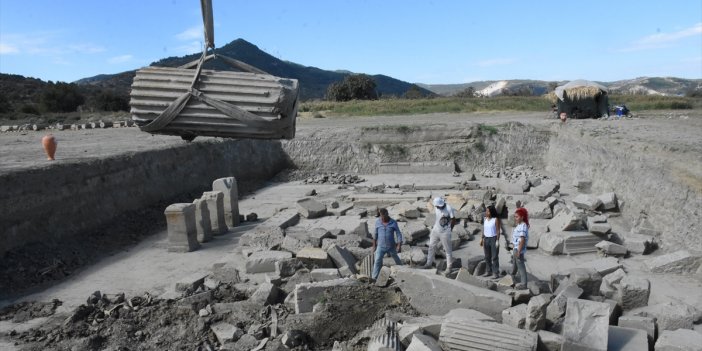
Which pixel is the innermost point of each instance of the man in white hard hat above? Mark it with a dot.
(445, 220)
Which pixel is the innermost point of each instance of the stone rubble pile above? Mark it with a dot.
(61, 126)
(306, 253)
(315, 263)
(333, 178)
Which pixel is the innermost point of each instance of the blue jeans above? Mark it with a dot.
(492, 257)
(379, 254)
(519, 266)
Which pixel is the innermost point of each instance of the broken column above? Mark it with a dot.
(215, 204)
(229, 188)
(479, 335)
(182, 234)
(202, 221)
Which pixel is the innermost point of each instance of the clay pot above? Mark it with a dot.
(49, 143)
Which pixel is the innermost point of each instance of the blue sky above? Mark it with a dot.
(418, 41)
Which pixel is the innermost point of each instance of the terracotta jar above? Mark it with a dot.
(49, 143)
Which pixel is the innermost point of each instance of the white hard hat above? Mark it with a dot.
(439, 202)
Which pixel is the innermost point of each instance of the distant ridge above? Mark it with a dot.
(313, 81)
(639, 86)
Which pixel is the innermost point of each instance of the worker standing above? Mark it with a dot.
(387, 239)
(445, 220)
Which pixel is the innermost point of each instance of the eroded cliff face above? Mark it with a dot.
(472, 148)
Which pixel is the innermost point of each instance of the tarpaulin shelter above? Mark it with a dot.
(582, 99)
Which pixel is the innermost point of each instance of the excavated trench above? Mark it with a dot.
(60, 218)
(133, 187)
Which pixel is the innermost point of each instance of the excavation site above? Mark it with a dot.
(133, 241)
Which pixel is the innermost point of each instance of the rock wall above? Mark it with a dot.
(648, 179)
(75, 198)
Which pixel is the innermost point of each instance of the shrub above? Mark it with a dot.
(353, 87)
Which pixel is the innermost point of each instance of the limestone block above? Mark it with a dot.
(294, 242)
(309, 294)
(534, 181)
(466, 314)
(565, 220)
(265, 261)
(586, 278)
(283, 219)
(226, 332)
(314, 257)
(647, 324)
(341, 209)
(266, 294)
(406, 331)
(480, 335)
(678, 262)
(551, 243)
(557, 308)
(537, 228)
(599, 228)
(549, 341)
(417, 256)
(434, 294)
(579, 242)
(609, 248)
(413, 231)
(639, 243)
(430, 325)
(536, 312)
(539, 210)
(229, 188)
(603, 266)
(626, 339)
(610, 283)
(586, 325)
(633, 292)
(608, 200)
(342, 257)
(500, 204)
(182, 231)
(383, 277)
(465, 277)
(317, 234)
(310, 208)
(322, 274)
(202, 221)
(422, 342)
(669, 315)
(547, 188)
(515, 316)
(215, 205)
(586, 202)
(679, 340)
(265, 238)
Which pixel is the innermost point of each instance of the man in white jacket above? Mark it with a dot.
(445, 220)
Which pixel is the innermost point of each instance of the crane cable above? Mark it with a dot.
(174, 109)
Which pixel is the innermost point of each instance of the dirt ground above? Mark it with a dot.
(141, 264)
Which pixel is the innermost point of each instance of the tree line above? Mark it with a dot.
(62, 97)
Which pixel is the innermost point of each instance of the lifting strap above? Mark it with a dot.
(177, 106)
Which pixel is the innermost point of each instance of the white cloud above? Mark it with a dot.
(85, 48)
(196, 32)
(496, 62)
(6, 49)
(663, 40)
(44, 43)
(120, 59)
